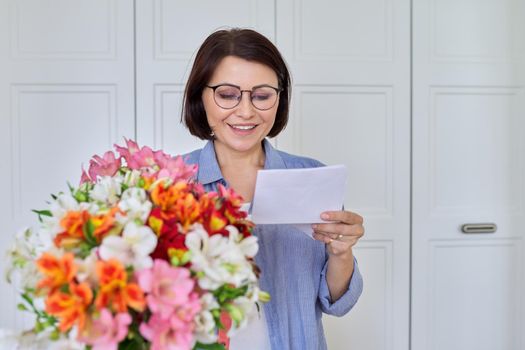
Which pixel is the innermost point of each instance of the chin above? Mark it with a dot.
(244, 146)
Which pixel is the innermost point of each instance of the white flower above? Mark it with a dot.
(21, 269)
(132, 248)
(134, 202)
(221, 259)
(131, 178)
(63, 203)
(30, 340)
(87, 268)
(204, 322)
(107, 190)
(248, 246)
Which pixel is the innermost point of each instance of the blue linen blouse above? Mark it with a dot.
(293, 265)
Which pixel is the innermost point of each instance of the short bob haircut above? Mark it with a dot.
(243, 43)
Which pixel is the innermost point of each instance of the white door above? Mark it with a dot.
(350, 62)
(66, 92)
(468, 168)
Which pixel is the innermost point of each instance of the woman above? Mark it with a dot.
(237, 95)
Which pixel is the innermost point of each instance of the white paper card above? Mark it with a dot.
(298, 196)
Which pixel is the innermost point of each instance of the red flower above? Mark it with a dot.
(169, 238)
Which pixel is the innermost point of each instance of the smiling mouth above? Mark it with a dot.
(242, 127)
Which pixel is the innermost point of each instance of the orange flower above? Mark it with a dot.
(176, 202)
(73, 224)
(165, 197)
(187, 210)
(115, 290)
(104, 223)
(57, 272)
(147, 181)
(70, 307)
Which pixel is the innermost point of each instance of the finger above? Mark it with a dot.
(333, 236)
(345, 216)
(336, 239)
(323, 238)
(337, 229)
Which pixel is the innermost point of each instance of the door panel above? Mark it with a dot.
(369, 324)
(459, 287)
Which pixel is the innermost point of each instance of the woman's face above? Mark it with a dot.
(243, 127)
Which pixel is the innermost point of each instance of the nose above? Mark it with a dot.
(245, 107)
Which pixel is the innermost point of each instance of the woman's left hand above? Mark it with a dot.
(342, 231)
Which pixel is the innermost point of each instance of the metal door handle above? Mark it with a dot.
(479, 228)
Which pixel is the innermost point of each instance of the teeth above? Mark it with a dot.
(243, 127)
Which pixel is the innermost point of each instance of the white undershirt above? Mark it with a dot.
(255, 335)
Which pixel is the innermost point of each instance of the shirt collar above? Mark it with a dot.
(273, 159)
(209, 170)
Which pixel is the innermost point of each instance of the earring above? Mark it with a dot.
(212, 134)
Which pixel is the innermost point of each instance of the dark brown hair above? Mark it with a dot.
(243, 43)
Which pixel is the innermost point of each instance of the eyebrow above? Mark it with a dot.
(253, 87)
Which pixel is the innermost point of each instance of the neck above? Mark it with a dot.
(230, 158)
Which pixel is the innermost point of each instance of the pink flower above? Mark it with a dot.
(175, 333)
(107, 331)
(161, 158)
(156, 163)
(166, 287)
(85, 177)
(126, 153)
(136, 157)
(105, 166)
(176, 169)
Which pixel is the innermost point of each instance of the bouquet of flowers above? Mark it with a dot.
(138, 256)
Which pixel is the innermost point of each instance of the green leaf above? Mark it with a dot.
(133, 342)
(214, 346)
(88, 230)
(22, 307)
(226, 293)
(27, 298)
(84, 250)
(42, 213)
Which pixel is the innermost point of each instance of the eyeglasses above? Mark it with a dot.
(228, 96)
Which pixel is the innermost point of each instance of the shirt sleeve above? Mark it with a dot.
(347, 301)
